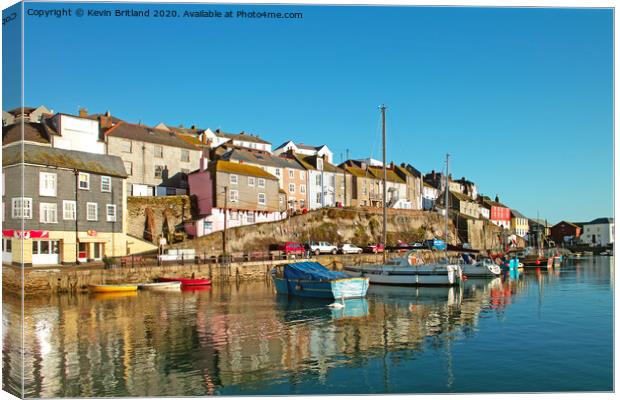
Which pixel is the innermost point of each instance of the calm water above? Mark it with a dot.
(549, 331)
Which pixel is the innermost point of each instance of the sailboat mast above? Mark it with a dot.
(384, 239)
(446, 202)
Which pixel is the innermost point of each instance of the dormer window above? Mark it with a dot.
(319, 164)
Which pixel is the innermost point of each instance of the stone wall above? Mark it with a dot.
(167, 213)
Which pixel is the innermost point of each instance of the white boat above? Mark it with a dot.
(160, 286)
(408, 271)
(484, 267)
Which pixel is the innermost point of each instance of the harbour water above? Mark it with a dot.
(540, 332)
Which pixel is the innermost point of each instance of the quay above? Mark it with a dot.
(73, 279)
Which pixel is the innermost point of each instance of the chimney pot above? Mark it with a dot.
(83, 112)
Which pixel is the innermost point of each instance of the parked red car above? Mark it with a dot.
(374, 248)
(292, 248)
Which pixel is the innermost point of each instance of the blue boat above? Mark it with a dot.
(311, 279)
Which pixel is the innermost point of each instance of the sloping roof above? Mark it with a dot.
(309, 147)
(309, 162)
(246, 137)
(238, 154)
(356, 171)
(284, 144)
(390, 174)
(102, 164)
(487, 201)
(462, 197)
(601, 221)
(22, 110)
(147, 134)
(242, 169)
(33, 132)
(517, 214)
(567, 223)
(191, 139)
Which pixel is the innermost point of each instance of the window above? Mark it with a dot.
(302, 188)
(261, 182)
(158, 151)
(234, 179)
(128, 167)
(84, 181)
(126, 146)
(262, 199)
(251, 181)
(332, 181)
(234, 216)
(47, 184)
(233, 196)
(277, 171)
(302, 175)
(291, 187)
(318, 180)
(91, 211)
(111, 213)
(159, 171)
(106, 184)
(318, 198)
(22, 207)
(250, 217)
(68, 210)
(291, 173)
(185, 155)
(48, 213)
(319, 163)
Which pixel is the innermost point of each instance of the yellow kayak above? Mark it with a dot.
(112, 288)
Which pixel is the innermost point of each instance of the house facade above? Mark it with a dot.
(413, 182)
(519, 222)
(463, 204)
(157, 161)
(242, 139)
(72, 206)
(565, 232)
(429, 196)
(598, 232)
(237, 193)
(499, 214)
(321, 180)
(307, 150)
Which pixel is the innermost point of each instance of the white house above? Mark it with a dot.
(77, 133)
(307, 150)
(321, 180)
(242, 139)
(599, 232)
(429, 196)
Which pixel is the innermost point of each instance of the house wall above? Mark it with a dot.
(599, 234)
(297, 199)
(143, 162)
(81, 134)
(215, 221)
(201, 187)
(520, 226)
(65, 190)
(248, 195)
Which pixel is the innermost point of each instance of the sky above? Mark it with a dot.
(521, 98)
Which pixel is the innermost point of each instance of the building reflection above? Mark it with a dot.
(196, 343)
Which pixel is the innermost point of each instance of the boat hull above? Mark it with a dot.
(187, 281)
(160, 286)
(112, 288)
(412, 276)
(346, 288)
(481, 270)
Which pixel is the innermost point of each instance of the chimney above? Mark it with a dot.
(434, 174)
(104, 121)
(204, 138)
(107, 113)
(363, 165)
(403, 165)
(391, 165)
(203, 163)
(497, 198)
(83, 113)
(193, 127)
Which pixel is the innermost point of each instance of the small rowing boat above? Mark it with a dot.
(187, 281)
(112, 288)
(160, 286)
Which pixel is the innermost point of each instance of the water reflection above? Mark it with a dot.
(244, 336)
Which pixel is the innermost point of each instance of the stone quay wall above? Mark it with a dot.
(76, 279)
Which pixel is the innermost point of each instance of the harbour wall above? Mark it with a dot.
(76, 279)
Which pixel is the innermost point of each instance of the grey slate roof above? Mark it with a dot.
(601, 221)
(147, 134)
(102, 164)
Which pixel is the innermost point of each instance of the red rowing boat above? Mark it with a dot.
(187, 281)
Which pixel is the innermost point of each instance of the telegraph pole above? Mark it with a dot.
(446, 202)
(225, 219)
(384, 183)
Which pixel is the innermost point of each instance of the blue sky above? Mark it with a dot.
(520, 98)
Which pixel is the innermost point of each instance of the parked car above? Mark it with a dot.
(416, 245)
(374, 248)
(435, 244)
(292, 248)
(321, 248)
(349, 248)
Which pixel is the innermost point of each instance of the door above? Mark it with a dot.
(45, 252)
(7, 251)
(83, 252)
(97, 251)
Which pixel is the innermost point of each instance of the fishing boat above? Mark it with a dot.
(160, 286)
(408, 271)
(311, 279)
(482, 268)
(113, 288)
(187, 281)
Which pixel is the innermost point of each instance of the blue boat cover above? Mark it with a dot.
(311, 271)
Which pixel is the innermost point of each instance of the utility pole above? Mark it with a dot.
(225, 219)
(77, 242)
(384, 182)
(446, 200)
(345, 177)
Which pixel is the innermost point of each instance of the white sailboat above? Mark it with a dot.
(410, 269)
(483, 268)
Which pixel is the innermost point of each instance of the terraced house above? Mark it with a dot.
(72, 205)
(322, 180)
(236, 194)
(157, 161)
